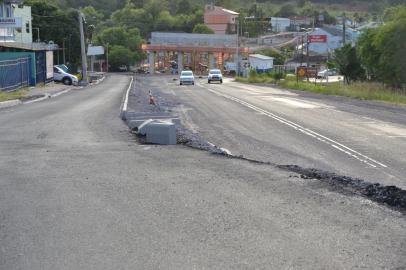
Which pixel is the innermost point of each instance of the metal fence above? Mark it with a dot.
(15, 74)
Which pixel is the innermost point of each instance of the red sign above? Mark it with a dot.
(317, 38)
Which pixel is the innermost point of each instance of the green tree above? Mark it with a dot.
(348, 63)
(202, 29)
(286, 11)
(368, 52)
(391, 43)
(93, 17)
(59, 26)
(382, 50)
(122, 37)
(120, 55)
(184, 7)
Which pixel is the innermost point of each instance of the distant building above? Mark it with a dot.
(280, 24)
(334, 39)
(261, 63)
(23, 63)
(299, 22)
(220, 20)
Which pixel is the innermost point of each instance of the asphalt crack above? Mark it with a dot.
(390, 196)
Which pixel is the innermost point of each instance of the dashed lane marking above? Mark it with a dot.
(336, 145)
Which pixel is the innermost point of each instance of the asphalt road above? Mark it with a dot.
(346, 136)
(78, 192)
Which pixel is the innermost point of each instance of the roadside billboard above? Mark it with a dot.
(317, 38)
(309, 72)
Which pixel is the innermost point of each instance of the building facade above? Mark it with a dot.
(8, 22)
(24, 33)
(220, 20)
(280, 24)
(197, 52)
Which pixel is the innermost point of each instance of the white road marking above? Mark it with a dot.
(294, 103)
(226, 151)
(127, 94)
(336, 145)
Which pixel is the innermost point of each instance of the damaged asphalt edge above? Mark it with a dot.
(389, 196)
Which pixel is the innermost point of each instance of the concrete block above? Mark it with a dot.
(135, 123)
(161, 133)
(132, 124)
(158, 131)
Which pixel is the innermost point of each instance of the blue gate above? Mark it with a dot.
(15, 73)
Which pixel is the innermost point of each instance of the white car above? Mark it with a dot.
(327, 72)
(187, 77)
(215, 75)
(66, 78)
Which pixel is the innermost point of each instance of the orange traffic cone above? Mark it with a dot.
(151, 99)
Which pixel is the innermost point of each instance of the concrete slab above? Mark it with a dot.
(158, 131)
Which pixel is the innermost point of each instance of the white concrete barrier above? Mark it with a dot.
(158, 131)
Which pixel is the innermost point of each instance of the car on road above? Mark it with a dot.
(187, 77)
(62, 76)
(123, 68)
(215, 75)
(327, 72)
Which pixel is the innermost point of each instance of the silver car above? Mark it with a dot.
(187, 77)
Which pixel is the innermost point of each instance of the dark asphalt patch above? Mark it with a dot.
(389, 195)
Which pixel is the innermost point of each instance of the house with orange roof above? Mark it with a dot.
(220, 20)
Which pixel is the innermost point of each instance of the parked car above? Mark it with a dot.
(66, 78)
(215, 75)
(327, 72)
(187, 77)
(123, 68)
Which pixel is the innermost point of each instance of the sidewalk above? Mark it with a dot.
(48, 90)
(42, 92)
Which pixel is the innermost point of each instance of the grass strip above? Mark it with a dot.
(4, 96)
(359, 90)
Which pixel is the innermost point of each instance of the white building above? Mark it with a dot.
(24, 33)
(261, 63)
(280, 24)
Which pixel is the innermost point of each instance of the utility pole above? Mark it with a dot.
(344, 26)
(83, 50)
(237, 51)
(107, 58)
(63, 51)
(307, 55)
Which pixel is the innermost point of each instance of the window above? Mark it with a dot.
(27, 27)
(8, 11)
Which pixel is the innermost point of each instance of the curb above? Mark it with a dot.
(124, 107)
(15, 102)
(10, 103)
